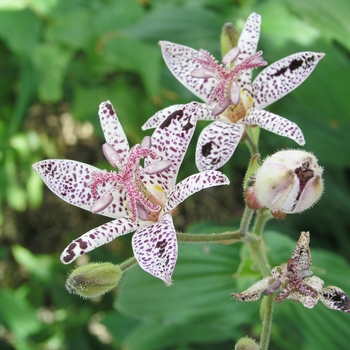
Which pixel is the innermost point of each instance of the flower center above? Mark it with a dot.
(227, 91)
(127, 180)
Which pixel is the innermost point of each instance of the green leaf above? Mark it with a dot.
(71, 28)
(117, 14)
(13, 5)
(20, 31)
(51, 62)
(39, 266)
(196, 308)
(17, 314)
(330, 17)
(122, 53)
(192, 26)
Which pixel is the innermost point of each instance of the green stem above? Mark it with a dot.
(258, 253)
(267, 304)
(229, 237)
(262, 216)
(128, 264)
(245, 221)
(253, 147)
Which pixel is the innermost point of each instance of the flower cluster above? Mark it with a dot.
(141, 195)
(295, 281)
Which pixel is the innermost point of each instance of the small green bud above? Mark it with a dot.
(94, 279)
(229, 38)
(246, 343)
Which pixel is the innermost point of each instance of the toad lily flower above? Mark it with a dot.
(141, 199)
(236, 102)
(294, 281)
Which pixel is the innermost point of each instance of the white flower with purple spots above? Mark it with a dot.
(141, 199)
(236, 102)
(295, 281)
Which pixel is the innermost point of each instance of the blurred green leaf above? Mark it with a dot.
(330, 17)
(197, 307)
(192, 26)
(51, 61)
(38, 266)
(10, 5)
(17, 314)
(114, 15)
(70, 28)
(20, 31)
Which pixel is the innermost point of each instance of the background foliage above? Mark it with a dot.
(58, 60)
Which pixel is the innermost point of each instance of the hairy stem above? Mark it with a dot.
(127, 264)
(267, 313)
(245, 221)
(228, 237)
(258, 253)
(262, 216)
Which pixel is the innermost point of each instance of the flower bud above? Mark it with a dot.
(229, 38)
(94, 279)
(289, 182)
(246, 343)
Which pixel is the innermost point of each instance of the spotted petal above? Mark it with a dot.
(204, 113)
(308, 300)
(155, 248)
(303, 255)
(160, 116)
(170, 141)
(248, 43)
(180, 62)
(193, 184)
(253, 292)
(334, 298)
(216, 144)
(113, 130)
(97, 237)
(283, 76)
(276, 124)
(68, 179)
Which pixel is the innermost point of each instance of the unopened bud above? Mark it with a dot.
(246, 343)
(94, 279)
(288, 182)
(229, 38)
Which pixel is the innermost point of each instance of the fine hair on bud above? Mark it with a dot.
(94, 279)
(246, 343)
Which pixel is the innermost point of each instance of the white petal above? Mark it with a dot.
(160, 116)
(155, 248)
(193, 184)
(248, 43)
(216, 144)
(253, 293)
(283, 76)
(68, 179)
(112, 130)
(276, 124)
(180, 62)
(97, 237)
(170, 141)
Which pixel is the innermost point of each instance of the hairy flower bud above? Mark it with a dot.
(246, 343)
(289, 182)
(94, 279)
